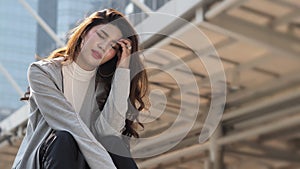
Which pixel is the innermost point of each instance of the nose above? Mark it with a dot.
(103, 45)
(100, 46)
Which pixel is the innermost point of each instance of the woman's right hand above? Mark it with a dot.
(124, 58)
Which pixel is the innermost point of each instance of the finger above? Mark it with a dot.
(125, 47)
(127, 42)
(125, 55)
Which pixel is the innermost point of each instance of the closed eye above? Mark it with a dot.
(99, 35)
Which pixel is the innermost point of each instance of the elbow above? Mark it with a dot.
(106, 128)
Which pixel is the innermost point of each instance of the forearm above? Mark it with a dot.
(112, 118)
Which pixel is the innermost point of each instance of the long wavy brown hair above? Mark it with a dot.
(139, 80)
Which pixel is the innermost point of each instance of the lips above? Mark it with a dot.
(96, 54)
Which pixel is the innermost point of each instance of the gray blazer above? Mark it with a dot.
(49, 109)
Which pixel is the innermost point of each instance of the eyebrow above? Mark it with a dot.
(104, 33)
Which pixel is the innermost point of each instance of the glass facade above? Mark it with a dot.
(48, 11)
(69, 13)
(17, 49)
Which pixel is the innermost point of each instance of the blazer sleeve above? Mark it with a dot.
(112, 118)
(60, 115)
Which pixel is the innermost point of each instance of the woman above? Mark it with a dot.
(84, 97)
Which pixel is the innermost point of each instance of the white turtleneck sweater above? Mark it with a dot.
(76, 82)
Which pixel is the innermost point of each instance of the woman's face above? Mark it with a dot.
(98, 46)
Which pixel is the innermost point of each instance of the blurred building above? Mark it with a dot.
(17, 49)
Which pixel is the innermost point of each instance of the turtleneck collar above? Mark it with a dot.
(76, 72)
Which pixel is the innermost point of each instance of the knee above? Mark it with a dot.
(111, 140)
(115, 145)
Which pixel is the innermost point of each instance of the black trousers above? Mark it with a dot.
(60, 151)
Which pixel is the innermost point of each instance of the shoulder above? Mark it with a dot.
(52, 67)
(48, 64)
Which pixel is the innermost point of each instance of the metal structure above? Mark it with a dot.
(258, 43)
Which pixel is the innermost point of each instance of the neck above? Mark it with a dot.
(84, 66)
